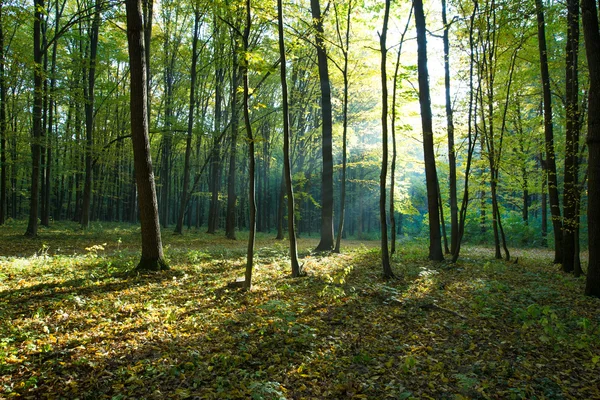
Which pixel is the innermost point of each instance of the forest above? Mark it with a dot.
(301, 199)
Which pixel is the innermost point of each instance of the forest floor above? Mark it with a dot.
(76, 323)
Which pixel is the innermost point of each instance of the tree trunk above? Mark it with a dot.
(296, 270)
(385, 254)
(571, 191)
(435, 241)
(471, 139)
(326, 242)
(252, 160)
(549, 135)
(231, 177)
(394, 150)
(3, 164)
(345, 44)
(450, 127)
(89, 118)
(591, 33)
(215, 173)
(38, 100)
(152, 251)
(185, 196)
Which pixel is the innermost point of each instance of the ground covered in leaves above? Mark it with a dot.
(75, 323)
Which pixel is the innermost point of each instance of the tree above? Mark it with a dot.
(3, 164)
(385, 254)
(549, 136)
(326, 242)
(393, 129)
(471, 135)
(38, 100)
(435, 240)
(450, 128)
(152, 251)
(251, 156)
(89, 116)
(591, 33)
(571, 190)
(296, 270)
(344, 45)
(190, 127)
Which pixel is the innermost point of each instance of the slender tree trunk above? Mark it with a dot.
(185, 196)
(385, 254)
(252, 160)
(435, 241)
(213, 212)
(152, 251)
(591, 33)
(230, 216)
(38, 100)
(471, 139)
(280, 208)
(89, 118)
(326, 242)
(544, 205)
(450, 127)
(394, 151)
(571, 191)
(549, 134)
(296, 269)
(3, 130)
(443, 220)
(345, 46)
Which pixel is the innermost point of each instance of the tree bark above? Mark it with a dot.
(38, 100)
(152, 251)
(89, 118)
(450, 127)
(549, 137)
(252, 160)
(385, 254)
(591, 33)
(185, 196)
(296, 270)
(326, 242)
(571, 191)
(435, 242)
(3, 164)
(345, 44)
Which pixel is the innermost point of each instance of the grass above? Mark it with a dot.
(76, 323)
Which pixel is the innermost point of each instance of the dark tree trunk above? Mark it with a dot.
(280, 208)
(435, 240)
(152, 251)
(443, 220)
(394, 150)
(38, 100)
(345, 44)
(450, 127)
(571, 191)
(252, 160)
(549, 134)
(385, 254)
(89, 118)
(3, 164)
(230, 216)
(185, 196)
(544, 206)
(591, 33)
(215, 173)
(471, 139)
(326, 242)
(296, 270)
